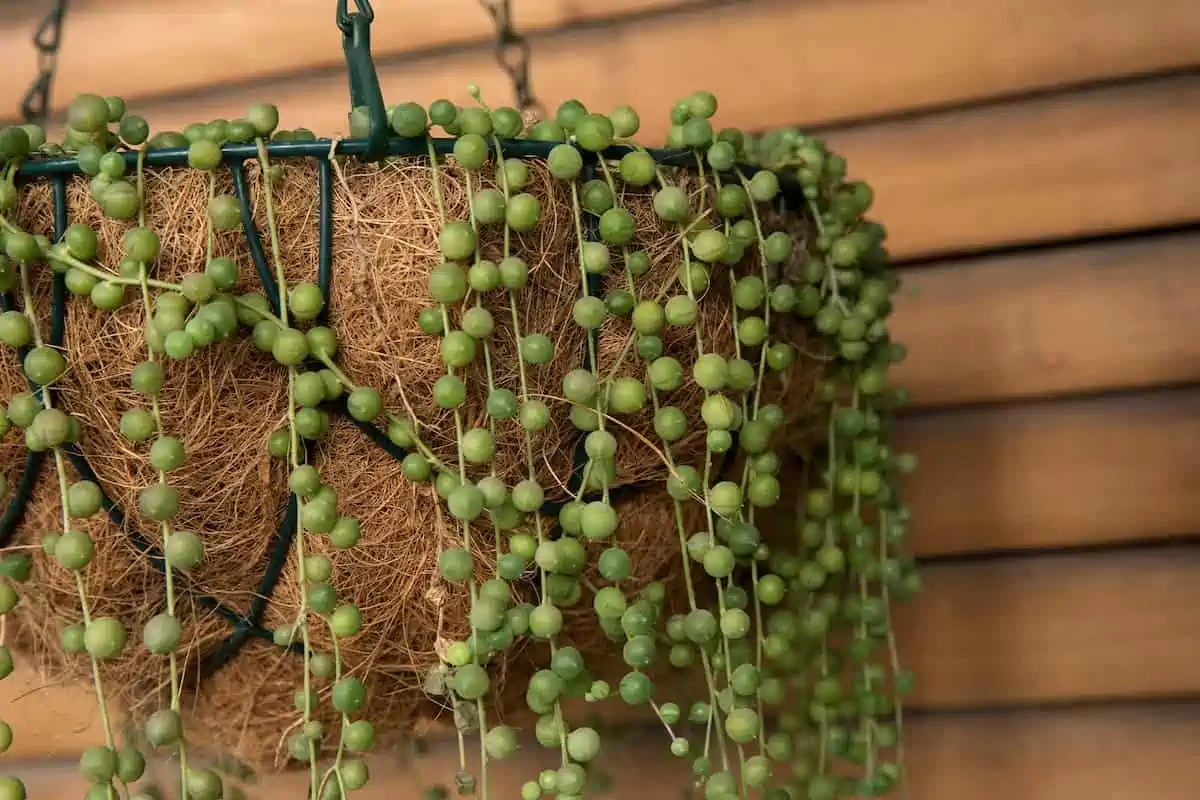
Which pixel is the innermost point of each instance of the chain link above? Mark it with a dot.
(36, 103)
(512, 54)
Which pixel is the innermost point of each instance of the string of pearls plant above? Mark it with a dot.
(789, 636)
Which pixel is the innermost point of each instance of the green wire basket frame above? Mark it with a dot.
(365, 94)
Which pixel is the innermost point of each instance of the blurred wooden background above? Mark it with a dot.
(1038, 166)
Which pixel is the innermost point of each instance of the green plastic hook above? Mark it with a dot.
(364, 80)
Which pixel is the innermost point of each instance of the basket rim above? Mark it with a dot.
(396, 146)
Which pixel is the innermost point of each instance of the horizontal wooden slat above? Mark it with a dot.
(1079, 754)
(55, 720)
(1055, 629)
(1066, 165)
(1060, 474)
(234, 42)
(937, 52)
(1092, 754)
(1068, 321)
(1013, 631)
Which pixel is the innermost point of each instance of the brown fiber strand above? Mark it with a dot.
(225, 401)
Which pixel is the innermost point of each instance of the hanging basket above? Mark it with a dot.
(482, 428)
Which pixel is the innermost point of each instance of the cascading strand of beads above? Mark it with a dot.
(291, 347)
(15, 331)
(664, 375)
(177, 331)
(762, 464)
(103, 638)
(557, 560)
(595, 404)
(489, 605)
(15, 568)
(759, 484)
(528, 495)
(841, 588)
(168, 331)
(465, 500)
(318, 510)
(182, 550)
(723, 499)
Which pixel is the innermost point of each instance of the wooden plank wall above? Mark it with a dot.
(1038, 167)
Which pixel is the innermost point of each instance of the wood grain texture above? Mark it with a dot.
(780, 61)
(1034, 171)
(1078, 754)
(1062, 474)
(1067, 321)
(1055, 629)
(1083, 754)
(235, 42)
(47, 720)
(1044, 629)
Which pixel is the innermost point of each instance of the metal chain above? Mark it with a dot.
(36, 103)
(512, 54)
